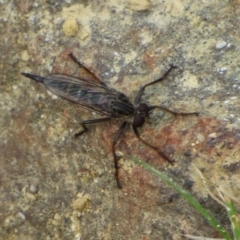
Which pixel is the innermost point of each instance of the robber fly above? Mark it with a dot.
(105, 100)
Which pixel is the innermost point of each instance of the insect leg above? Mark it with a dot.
(115, 140)
(85, 68)
(139, 95)
(151, 146)
(91, 121)
(172, 112)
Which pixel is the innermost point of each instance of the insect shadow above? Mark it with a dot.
(105, 100)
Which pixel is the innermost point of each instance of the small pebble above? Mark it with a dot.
(70, 27)
(21, 215)
(220, 44)
(221, 70)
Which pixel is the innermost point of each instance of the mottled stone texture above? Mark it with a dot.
(53, 186)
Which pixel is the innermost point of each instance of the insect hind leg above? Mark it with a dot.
(81, 65)
(91, 121)
(115, 140)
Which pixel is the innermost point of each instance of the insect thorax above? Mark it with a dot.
(121, 106)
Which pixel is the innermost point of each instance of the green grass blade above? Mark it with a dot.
(188, 197)
(233, 216)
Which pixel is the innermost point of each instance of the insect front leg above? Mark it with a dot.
(115, 140)
(141, 91)
(91, 121)
(151, 146)
(172, 112)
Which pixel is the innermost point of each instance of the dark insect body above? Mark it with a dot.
(105, 100)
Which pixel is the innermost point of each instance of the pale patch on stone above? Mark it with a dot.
(70, 27)
(190, 80)
(25, 57)
(139, 5)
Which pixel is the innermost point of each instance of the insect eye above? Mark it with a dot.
(143, 108)
(138, 120)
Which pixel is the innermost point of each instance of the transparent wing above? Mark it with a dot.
(88, 94)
